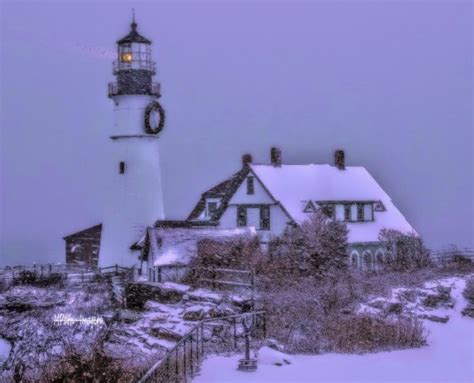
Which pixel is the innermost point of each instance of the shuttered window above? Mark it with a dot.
(241, 216)
(265, 218)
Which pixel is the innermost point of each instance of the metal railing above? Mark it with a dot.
(183, 361)
(114, 89)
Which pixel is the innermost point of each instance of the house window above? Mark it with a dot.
(368, 212)
(211, 208)
(309, 207)
(250, 185)
(347, 212)
(328, 210)
(122, 167)
(241, 216)
(265, 218)
(360, 212)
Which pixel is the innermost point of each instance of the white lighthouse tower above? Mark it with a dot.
(135, 196)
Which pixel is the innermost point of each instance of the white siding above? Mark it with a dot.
(260, 195)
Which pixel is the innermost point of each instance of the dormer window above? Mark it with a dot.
(309, 208)
(211, 208)
(250, 185)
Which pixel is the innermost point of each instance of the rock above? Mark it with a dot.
(394, 308)
(165, 333)
(408, 295)
(443, 296)
(377, 304)
(193, 313)
(273, 344)
(221, 310)
(468, 310)
(435, 318)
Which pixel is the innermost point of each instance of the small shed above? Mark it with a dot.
(168, 251)
(82, 247)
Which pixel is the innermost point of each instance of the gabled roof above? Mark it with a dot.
(294, 185)
(93, 231)
(225, 190)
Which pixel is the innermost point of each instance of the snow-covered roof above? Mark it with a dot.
(177, 246)
(293, 185)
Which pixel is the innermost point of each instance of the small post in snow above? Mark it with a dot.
(247, 364)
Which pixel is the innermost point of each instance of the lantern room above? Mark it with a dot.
(134, 66)
(134, 52)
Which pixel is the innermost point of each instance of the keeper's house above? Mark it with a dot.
(272, 197)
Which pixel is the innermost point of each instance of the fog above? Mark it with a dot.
(389, 82)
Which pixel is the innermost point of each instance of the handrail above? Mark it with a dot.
(195, 329)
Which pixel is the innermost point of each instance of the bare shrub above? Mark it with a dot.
(405, 252)
(230, 254)
(298, 310)
(366, 333)
(317, 247)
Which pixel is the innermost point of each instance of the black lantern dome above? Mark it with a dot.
(134, 67)
(134, 36)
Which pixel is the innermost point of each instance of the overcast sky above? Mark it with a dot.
(390, 82)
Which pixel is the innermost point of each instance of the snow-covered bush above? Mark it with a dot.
(367, 333)
(405, 252)
(298, 309)
(231, 254)
(317, 247)
(31, 278)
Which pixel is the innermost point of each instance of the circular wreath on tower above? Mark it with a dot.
(154, 107)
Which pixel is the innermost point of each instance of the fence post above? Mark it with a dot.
(184, 361)
(177, 365)
(264, 326)
(116, 269)
(202, 339)
(159, 274)
(235, 333)
(50, 268)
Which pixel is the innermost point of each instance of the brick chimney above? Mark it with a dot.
(275, 156)
(246, 159)
(339, 159)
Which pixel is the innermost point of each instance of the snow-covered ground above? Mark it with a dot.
(449, 358)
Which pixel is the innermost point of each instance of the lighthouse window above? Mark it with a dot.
(127, 57)
(122, 167)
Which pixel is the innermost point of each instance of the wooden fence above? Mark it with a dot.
(78, 274)
(452, 255)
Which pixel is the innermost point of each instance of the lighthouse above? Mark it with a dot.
(134, 200)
